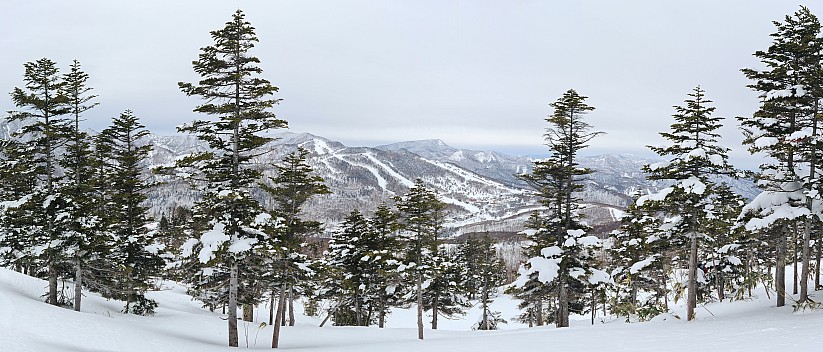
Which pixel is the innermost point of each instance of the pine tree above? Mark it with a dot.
(568, 262)
(45, 108)
(639, 254)
(785, 128)
(420, 219)
(135, 249)
(83, 240)
(696, 158)
(349, 260)
(240, 101)
(385, 258)
(292, 186)
(482, 270)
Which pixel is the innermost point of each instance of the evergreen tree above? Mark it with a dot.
(292, 186)
(696, 160)
(482, 270)
(785, 128)
(47, 127)
(84, 239)
(639, 254)
(239, 100)
(568, 262)
(420, 219)
(385, 258)
(135, 249)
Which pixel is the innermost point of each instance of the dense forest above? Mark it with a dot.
(73, 208)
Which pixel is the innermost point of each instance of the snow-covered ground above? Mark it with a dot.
(180, 325)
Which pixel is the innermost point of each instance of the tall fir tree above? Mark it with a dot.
(134, 248)
(46, 128)
(85, 236)
(568, 262)
(697, 160)
(420, 218)
(293, 184)
(785, 128)
(239, 101)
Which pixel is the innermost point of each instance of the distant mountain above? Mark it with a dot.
(481, 187)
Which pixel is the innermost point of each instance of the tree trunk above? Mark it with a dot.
(381, 318)
(291, 305)
(435, 301)
(420, 306)
(795, 259)
(804, 277)
(78, 284)
(594, 305)
(52, 284)
(819, 247)
(232, 308)
(357, 309)
(275, 338)
(248, 312)
(538, 306)
(780, 269)
(563, 304)
(485, 298)
(692, 285)
(271, 308)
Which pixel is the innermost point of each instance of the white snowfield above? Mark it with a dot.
(180, 325)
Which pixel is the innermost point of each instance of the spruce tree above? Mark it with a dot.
(785, 128)
(46, 130)
(568, 262)
(84, 239)
(293, 184)
(239, 102)
(135, 249)
(482, 270)
(696, 161)
(639, 256)
(420, 219)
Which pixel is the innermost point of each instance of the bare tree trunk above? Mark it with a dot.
(248, 312)
(538, 306)
(563, 304)
(485, 298)
(275, 338)
(795, 259)
(52, 284)
(78, 284)
(271, 308)
(692, 285)
(419, 306)
(594, 306)
(780, 269)
(804, 277)
(435, 301)
(817, 266)
(381, 319)
(232, 308)
(291, 305)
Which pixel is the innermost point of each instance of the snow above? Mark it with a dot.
(27, 324)
(212, 240)
(693, 185)
(636, 267)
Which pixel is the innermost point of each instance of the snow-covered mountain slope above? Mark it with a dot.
(481, 187)
(27, 325)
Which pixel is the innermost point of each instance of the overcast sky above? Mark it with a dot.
(476, 74)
